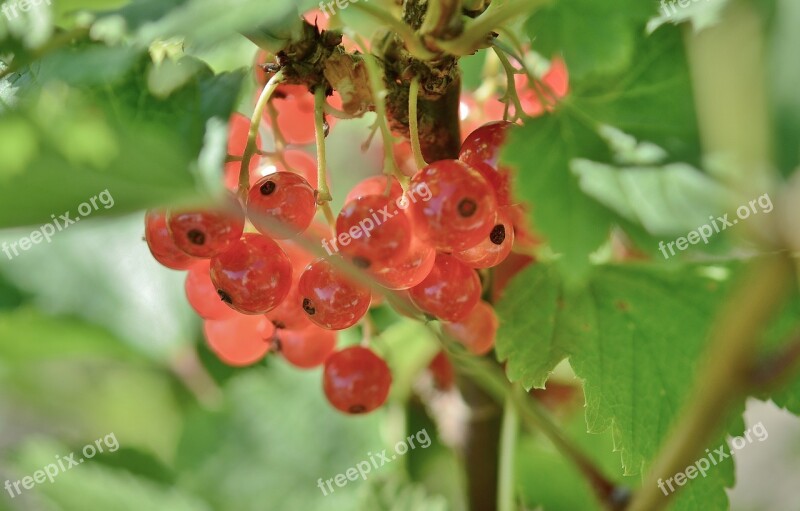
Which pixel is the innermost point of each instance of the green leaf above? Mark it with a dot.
(595, 38)
(634, 334)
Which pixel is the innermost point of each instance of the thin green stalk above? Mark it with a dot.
(412, 41)
(508, 449)
(255, 121)
(323, 193)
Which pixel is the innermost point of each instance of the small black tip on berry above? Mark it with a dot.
(267, 188)
(355, 409)
(467, 207)
(280, 325)
(498, 234)
(361, 262)
(196, 237)
(308, 306)
(225, 297)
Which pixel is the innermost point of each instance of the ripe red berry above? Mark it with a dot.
(459, 212)
(206, 232)
(376, 185)
(477, 331)
(411, 269)
(373, 232)
(289, 315)
(285, 198)
(329, 298)
(441, 370)
(306, 348)
(253, 276)
(450, 291)
(294, 106)
(238, 341)
(202, 293)
(494, 248)
(481, 149)
(356, 380)
(161, 244)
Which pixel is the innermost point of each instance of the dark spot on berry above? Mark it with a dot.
(498, 234)
(308, 306)
(196, 237)
(225, 297)
(357, 409)
(362, 262)
(276, 345)
(280, 325)
(467, 207)
(267, 188)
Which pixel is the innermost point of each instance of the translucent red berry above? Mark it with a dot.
(161, 244)
(306, 348)
(238, 341)
(285, 198)
(481, 149)
(356, 380)
(253, 276)
(411, 269)
(458, 212)
(293, 106)
(202, 293)
(206, 232)
(376, 185)
(441, 370)
(477, 331)
(373, 232)
(494, 248)
(289, 314)
(450, 291)
(330, 299)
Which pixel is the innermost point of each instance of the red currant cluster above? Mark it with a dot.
(259, 289)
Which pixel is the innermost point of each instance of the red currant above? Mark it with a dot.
(376, 185)
(477, 331)
(161, 244)
(202, 293)
(459, 213)
(329, 298)
(356, 380)
(441, 370)
(409, 271)
(373, 232)
(481, 149)
(294, 107)
(289, 315)
(495, 247)
(285, 198)
(450, 291)
(206, 232)
(307, 348)
(253, 276)
(238, 341)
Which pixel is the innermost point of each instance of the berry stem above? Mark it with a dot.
(413, 43)
(508, 446)
(511, 85)
(255, 123)
(323, 193)
(379, 94)
(413, 95)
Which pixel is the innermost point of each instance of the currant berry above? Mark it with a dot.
(556, 86)
(477, 331)
(373, 232)
(253, 276)
(238, 341)
(161, 244)
(450, 291)
(329, 298)
(376, 185)
(409, 271)
(356, 381)
(460, 213)
(238, 132)
(289, 315)
(481, 149)
(285, 198)
(306, 348)
(294, 109)
(206, 232)
(441, 370)
(202, 293)
(494, 248)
